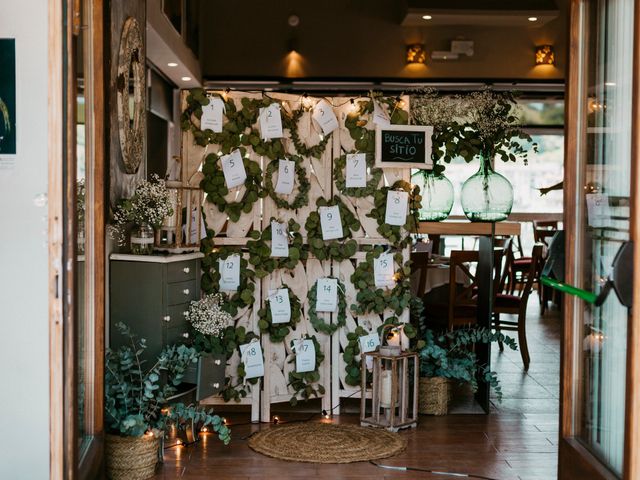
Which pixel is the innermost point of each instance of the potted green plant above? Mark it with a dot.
(449, 356)
(136, 411)
(150, 204)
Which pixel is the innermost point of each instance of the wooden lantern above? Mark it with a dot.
(181, 232)
(394, 403)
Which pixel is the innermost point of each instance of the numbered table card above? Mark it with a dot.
(211, 118)
(397, 203)
(323, 114)
(279, 239)
(229, 273)
(380, 117)
(305, 356)
(356, 175)
(251, 357)
(383, 271)
(233, 169)
(270, 122)
(327, 295)
(280, 306)
(368, 343)
(285, 181)
(330, 222)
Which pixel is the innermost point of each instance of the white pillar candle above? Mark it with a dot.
(385, 389)
(393, 339)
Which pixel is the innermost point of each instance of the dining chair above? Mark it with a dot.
(419, 271)
(517, 305)
(461, 306)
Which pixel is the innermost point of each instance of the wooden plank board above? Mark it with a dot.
(468, 228)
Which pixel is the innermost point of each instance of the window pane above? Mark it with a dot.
(541, 112)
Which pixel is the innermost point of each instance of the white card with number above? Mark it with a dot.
(270, 122)
(397, 203)
(383, 271)
(211, 118)
(229, 273)
(305, 356)
(280, 306)
(251, 357)
(330, 222)
(380, 117)
(233, 169)
(279, 239)
(356, 175)
(368, 343)
(323, 114)
(597, 209)
(285, 181)
(327, 295)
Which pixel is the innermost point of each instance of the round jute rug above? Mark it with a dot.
(326, 443)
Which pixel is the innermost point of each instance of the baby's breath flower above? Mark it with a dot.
(206, 315)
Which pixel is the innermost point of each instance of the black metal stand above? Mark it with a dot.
(484, 276)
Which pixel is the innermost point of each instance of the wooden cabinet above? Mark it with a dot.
(151, 295)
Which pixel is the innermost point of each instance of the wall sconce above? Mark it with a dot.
(416, 53)
(545, 55)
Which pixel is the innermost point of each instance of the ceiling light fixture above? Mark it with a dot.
(186, 79)
(427, 17)
(533, 19)
(172, 64)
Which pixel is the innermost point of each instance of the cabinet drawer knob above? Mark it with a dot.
(185, 334)
(166, 318)
(185, 313)
(186, 269)
(217, 362)
(185, 291)
(216, 385)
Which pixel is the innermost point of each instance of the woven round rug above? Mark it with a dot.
(326, 443)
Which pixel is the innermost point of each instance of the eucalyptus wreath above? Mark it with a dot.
(316, 150)
(339, 166)
(232, 130)
(303, 382)
(352, 364)
(318, 323)
(278, 331)
(216, 189)
(302, 197)
(211, 277)
(260, 250)
(394, 233)
(332, 249)
(273, 148)
(372, 299)
(365, 139)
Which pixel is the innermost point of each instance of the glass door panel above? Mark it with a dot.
(604, 170)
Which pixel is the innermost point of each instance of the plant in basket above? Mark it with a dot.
(136, 410)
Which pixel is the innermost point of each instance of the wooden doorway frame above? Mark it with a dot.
(64, 23)
(575, 460)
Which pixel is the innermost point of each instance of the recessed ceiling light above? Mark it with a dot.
(610, 84)
(172, 64)
(186, 79)
(533, 19)
(426, 17)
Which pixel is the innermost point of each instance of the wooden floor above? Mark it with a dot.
(518, 440)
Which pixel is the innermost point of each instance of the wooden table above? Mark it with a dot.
(486, 233)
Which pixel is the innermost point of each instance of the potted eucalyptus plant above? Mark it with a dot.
(136, 410)
(447, 357)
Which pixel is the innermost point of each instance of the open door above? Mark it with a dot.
(599, 379)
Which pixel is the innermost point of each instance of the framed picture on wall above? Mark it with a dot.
(7, 96)
(404, 146)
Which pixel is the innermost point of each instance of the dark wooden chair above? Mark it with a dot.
(461, 306)
(419, 269)
(517, 305)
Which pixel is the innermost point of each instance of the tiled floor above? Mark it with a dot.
(518, 440)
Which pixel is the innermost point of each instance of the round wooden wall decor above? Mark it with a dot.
(130, 97)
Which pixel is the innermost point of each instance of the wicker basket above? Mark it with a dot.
(433, 395)
(131, 458)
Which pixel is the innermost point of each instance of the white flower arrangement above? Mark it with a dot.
(207, 316)
(150, 204)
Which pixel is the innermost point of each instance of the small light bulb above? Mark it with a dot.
(179, 442)
(276, 420)
(224, 421)
(205, 429)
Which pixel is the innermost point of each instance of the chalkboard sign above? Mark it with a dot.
(403, 146)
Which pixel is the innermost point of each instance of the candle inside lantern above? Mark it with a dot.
(385, 389)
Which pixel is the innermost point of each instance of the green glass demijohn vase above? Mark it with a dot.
(486, 196)
(437, 197)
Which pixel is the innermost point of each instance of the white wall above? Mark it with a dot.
(24, 344)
